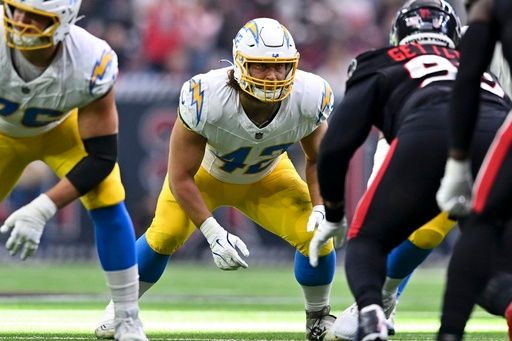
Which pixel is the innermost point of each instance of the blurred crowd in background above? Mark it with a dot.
(158, 40)
(186, 37)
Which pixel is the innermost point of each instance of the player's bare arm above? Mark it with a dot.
(185, 156)
(310, 145)
(98, 119)
(186, 151)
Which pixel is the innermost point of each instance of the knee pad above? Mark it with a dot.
(426, 238)
(166, 242)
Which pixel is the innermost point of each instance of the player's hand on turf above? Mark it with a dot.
(323, 233)
(316, 217)
(454, 195)
(27, 225)
(223, 245)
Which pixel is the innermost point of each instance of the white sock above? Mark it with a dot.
(144, 286)
(124, 285)
(316, 297)
(109, 309)
(391, 285)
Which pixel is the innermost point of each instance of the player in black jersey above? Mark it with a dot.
(484, 249)
(404, 91)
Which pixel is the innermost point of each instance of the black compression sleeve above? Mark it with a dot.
(477, 47)
(97, 165)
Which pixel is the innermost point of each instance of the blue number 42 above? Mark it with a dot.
(236, 159)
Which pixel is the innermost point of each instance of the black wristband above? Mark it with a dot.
(97, 165)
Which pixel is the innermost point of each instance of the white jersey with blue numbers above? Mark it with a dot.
(84, 69)
(237, 151)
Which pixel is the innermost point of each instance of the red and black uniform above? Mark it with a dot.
(404, 91)
(484, 249)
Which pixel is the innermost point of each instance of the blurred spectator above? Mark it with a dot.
(114, 22)
(186, 37)
(162, 33)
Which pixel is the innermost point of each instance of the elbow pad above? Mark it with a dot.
(97, 165)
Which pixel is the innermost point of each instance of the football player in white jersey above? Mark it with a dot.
(57, 105)
(228, 148)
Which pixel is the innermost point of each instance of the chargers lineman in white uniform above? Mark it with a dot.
(57, 105)
(229, 149)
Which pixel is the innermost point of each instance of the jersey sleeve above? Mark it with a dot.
(465, 97)
(319, 100)
(104, 70)
(192, 104)
(365, 65)
(326, 102)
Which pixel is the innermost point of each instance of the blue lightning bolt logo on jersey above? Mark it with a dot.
(237, 150)
(100, 69)
(327, 101)
(197, 97)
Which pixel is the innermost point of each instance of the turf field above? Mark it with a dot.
(192, 302)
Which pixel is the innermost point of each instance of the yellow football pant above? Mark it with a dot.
(61, 149)
(432, 233)
(280, 203)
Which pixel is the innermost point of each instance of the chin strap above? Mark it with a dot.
(226, 61)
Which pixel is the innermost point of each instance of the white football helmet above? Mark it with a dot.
(22, 36)
(264, 40)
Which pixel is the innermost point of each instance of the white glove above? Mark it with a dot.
(454, 195)
(316, 217)
(326, 231)
(27, 224)
(223, 245)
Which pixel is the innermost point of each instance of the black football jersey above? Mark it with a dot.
(390, 88)
(502, 11)
(407, 77)
(477, 49)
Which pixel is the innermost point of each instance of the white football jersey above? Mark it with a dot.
(84, 69)
(237, 150)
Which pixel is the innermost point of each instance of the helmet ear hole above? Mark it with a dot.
(427, 22)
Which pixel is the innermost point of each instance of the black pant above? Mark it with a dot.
(484, 249)
(402, 198)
